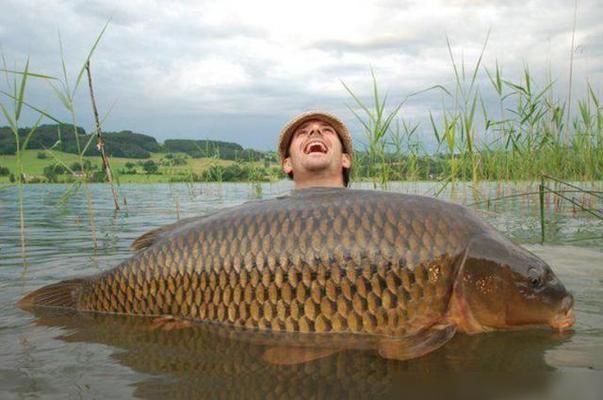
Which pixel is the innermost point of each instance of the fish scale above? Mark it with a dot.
(328, 261)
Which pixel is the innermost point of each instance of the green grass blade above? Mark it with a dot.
(21, 95)
(31, 74)
(62, 97)
(435, 128)
(44, 113)
(31, 132)
(356, 99)
(83, 69)
(479, 61)
(92, 137)
(11, 122)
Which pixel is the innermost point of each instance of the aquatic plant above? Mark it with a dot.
(16, 92)
(376, 125)
(529, 131)
(65, 93)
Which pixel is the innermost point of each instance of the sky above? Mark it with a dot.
(238, 70)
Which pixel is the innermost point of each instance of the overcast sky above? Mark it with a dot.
(238, 70)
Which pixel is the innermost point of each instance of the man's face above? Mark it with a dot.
(315, 147)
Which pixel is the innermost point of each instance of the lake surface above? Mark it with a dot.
(61, 355)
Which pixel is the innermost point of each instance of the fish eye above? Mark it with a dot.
(534, 278)
(535, 282)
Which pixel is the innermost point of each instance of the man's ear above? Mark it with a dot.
(287, 167)
(346, 160)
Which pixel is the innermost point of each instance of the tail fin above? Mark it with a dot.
(64, 294)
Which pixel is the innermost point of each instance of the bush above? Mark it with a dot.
(52, 171)
(88, 166)
(4, 171)
(150, 167)
(97, 176)
(42, 155)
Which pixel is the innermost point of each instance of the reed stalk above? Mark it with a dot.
(376, 125)
(18, 88)
(99, 138)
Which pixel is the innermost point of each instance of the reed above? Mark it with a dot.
(65, 92)
(16, 89)
(528, 131)
(376, 126)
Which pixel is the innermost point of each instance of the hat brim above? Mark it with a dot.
(290, 128)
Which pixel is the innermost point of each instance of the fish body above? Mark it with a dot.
(399, 273)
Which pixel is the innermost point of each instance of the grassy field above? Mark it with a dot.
(34, 167)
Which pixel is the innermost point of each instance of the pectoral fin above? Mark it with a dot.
(417, 345)
(169, 323)
(295, 355)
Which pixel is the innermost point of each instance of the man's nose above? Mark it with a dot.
(315, 130)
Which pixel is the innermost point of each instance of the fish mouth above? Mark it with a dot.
(315, 146)
(565, 321)
(566, 317)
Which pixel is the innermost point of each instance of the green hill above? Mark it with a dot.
(125, 143)
(211, 148)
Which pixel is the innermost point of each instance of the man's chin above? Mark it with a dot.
(316, 163)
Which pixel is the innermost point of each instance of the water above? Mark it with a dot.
(58, 355)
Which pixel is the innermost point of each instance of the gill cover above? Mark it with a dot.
(505, 286)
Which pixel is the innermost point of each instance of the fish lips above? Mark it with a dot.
(566, 318)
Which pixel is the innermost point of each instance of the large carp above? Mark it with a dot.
(323, 270)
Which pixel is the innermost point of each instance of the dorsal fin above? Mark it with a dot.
(151, 237)
(147, 239)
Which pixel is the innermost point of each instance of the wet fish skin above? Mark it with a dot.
(506, 286)
(373, 265)
(287, 266)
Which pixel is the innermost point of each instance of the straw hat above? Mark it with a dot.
(287, 133)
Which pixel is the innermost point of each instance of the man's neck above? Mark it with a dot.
(318, 181)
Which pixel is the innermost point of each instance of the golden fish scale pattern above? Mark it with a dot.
(382, 268)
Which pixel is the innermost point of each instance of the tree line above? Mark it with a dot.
(125, 143)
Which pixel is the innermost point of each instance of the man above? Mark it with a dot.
(315, 149)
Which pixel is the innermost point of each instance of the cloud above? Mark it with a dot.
(237, 70)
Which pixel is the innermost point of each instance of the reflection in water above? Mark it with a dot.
(108, 357)
(199, 362)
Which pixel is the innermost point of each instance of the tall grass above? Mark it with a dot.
(16, 83)
(528, 130)
(376, 126)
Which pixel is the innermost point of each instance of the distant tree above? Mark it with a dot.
(41, 155)
(52, 171)
(75, 166)
(179, 160)
(89, 166)
(98, 176)
(130, 165)
(4, 171)
(150, 167)
(59, 169)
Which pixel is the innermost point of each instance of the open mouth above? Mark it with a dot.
(565, 321)
(315, 147)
